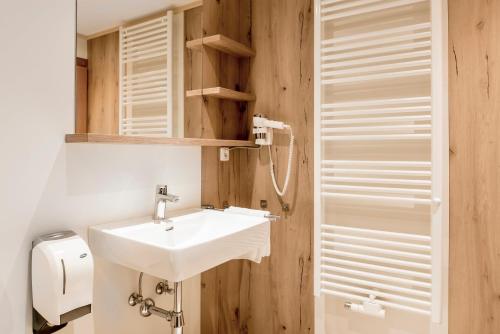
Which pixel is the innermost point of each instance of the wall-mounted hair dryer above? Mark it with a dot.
(263, 129)
(263, 132)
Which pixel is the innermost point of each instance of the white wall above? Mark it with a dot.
(46, 185)
(81, 47)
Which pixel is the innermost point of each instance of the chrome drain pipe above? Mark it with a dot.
(177, 316)
(148, 308)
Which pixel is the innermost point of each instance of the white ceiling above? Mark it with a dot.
(95, 16)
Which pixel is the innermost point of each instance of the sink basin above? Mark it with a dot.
(185, 246)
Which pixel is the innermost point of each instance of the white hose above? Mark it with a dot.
(282, 192)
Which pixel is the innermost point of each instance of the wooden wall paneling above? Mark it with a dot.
(193, 107)
(221, 118)
(276, 295)
(474, 44)
(281, 295)
(212, 118)
(245, 37)
(103, 78)
(224, 183)
(229, 71)
(210, 194)
(81, 95)
(236, 299)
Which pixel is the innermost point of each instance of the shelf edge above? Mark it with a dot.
(222, 93)
(223, 44)
(137, 140)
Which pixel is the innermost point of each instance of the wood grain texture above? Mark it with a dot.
(281, 289)
(81, 95)
(474, 44)
(115, 139)
(275, 296)
(221, 93)
(209, 116)
(224, 183)
(223, 44)
(193, 108)
(103, 84)
(224, 118)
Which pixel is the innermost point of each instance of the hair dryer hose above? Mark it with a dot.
(281, 192)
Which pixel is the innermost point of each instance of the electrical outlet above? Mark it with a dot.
(224, 154)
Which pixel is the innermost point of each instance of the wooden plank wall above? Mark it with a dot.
(281, 288)
(224, 183)
(474, 44)
(275, 296)
(81, 95)
(103, 77)
(193, 74)
(474, 58)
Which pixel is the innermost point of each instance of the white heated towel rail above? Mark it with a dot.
(407, 118)
(394, 267)
(146, 78)
(381, 153)
(390, 182)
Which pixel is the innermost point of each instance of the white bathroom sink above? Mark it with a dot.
(197, 242)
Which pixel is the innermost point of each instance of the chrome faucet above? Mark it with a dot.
(161, 199)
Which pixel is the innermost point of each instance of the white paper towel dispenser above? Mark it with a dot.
(62, 271)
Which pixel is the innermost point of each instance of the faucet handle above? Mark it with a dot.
(162, 192)
(161, 189)
(172, 198)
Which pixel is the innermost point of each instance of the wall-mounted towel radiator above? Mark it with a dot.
(146, 78)
(381, 153)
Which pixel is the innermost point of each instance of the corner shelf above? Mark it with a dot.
(117, 139)
(221, 93)
(223, 44)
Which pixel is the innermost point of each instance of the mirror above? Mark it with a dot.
(130, 68)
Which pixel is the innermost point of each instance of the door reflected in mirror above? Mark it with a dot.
(130, 77)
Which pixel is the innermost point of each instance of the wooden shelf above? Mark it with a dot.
(223, 44)
(116, 139)
(221, 93)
